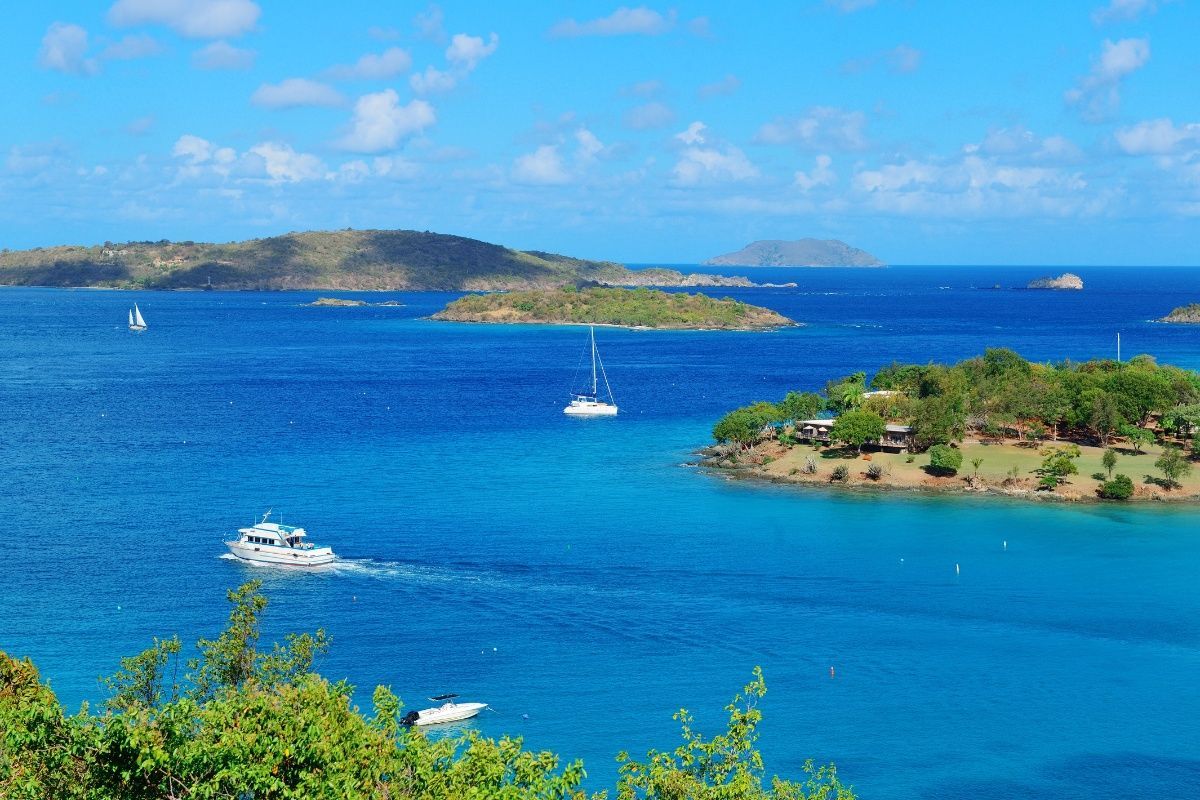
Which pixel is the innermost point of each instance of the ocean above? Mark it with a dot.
(579, 575)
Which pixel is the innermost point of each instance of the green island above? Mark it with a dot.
(1098, 430)
(349, 260)
(245, 722)
(1189, 314)
(341, 302)
(630, 308)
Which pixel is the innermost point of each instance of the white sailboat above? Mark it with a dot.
(590, 404)
(136, 323)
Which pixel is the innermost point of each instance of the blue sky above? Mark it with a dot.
(926, 132)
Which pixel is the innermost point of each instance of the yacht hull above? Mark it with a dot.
(449, 713)
(591, 410)
(283, 556)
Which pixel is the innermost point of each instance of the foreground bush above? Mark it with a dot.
(262, 725)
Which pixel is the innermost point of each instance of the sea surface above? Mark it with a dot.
(577, 574)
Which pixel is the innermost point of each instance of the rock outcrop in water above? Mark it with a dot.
(1189, 314)
(1068, 280)
(799, 253)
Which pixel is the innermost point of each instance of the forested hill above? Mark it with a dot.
(346, 259)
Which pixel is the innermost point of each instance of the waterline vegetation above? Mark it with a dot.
(250, 723)
(1027, 429)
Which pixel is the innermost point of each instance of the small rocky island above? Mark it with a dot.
(799, 253)
(341, 302)
(628, 308)
(1068, 280)
(1188, 315)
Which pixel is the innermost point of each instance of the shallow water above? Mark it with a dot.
(572, 570)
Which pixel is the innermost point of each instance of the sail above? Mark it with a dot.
(138, 316)
(131, 317)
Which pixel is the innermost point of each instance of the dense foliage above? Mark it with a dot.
(1000, 394)
(345, 259)
(645, 308)
(856, 428)
(258, 724)
(944, 459)
(1119, 487)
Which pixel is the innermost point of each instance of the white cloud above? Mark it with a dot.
(543, 166)
(197, 19)
(64, 49)
(822, 174)
(131, 47)
(822, 128)
(697, 165)
(223, 55)
(374, 66)
(1097, 94)
(1020, 142)
(1157, 137)
(727, 85)
(429, 24)
(295, 93)
(282, 164)
(1122, 11)
(622, 22)
(649, 116)
(380, 122)
(432, 81)
(693, 134)
(467, 51)
(589, 145)
(193, 148)
(903, 58)
(140, 126)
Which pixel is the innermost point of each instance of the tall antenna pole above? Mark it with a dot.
(1118, 347)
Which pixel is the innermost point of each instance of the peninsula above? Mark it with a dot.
(1090, 431)
(629, 308)
(1068, 280)
(1188, 315)
(799, 253)
(349, 260)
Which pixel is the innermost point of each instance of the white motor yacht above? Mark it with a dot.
(448, 711)
(275, 543)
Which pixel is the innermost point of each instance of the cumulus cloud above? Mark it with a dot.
(282, 164)
(466, 51)
(64, 49)
(821, 174)
(624, 21)
(649, 116)
(197, 19)
(822, 128)
(432, 81)
(131, 47)
(380, 122)
(296, 93)
(726, 86)
(543, 166)
(374, 66)
(273, 162)
(1020, 142)
(1122, 11)
(704, 161)
(1157, 137)
(1097, 95)
(223, 55)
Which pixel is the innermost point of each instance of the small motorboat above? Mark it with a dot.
(276, 543)
(448, 711)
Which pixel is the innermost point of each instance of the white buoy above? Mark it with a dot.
(956, 569)
(1006, 544)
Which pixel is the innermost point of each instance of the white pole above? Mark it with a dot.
(1118, 346)
(593, 335)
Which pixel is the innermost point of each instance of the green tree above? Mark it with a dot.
(1174, 465)
(801, 405)
(1109, 460)
(856, 428)
(976, 463)
(1103, 417)
(944, 459)
(1058, 463)
(142, 681)
(847, 394)
(1117, 488)
(937, 420)
(742, 426)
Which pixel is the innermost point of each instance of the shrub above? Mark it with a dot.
(944, 459)
(810, 465)
(876, 471)
(908, 459)
(1099, 476)
(840, 473)
(1119, 488)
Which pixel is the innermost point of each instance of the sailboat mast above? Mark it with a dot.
(593, 335)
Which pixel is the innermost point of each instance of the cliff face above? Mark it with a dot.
(346, 260)
(799, 253)
(1068, 280)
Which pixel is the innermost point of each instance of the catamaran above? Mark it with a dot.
(136, 323)
(448, 711)
(276, 543)
(590, 404)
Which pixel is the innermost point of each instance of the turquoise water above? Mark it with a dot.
(576, 571)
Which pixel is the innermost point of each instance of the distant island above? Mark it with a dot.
(341, 302)
(349, 260)
(1075, 431)
(799, 253)
(1068, 280)
(1189, 314)
(629, 308)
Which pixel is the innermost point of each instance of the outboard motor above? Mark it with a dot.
(410, 718)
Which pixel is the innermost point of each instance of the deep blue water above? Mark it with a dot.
(573, 571)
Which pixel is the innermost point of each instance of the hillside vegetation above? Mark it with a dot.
(346, 260)
(633, 308)
(238, 721)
